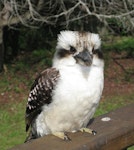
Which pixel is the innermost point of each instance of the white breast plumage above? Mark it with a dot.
(75, 100)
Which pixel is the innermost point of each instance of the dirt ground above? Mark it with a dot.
(119, 77)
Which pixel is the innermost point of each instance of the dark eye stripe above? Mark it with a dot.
(63, 53)
(98, 52)
(72, 49)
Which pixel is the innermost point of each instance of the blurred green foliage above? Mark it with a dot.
(121, 44)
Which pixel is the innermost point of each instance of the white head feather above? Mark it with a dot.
(79, 40)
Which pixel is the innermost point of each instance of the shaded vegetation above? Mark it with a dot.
(121, 44)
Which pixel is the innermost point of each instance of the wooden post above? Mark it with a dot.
(115, 131)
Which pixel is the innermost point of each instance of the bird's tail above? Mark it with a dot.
(30, 137)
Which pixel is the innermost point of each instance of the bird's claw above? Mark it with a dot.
(88, 131)
(66, 137)
(62, 136)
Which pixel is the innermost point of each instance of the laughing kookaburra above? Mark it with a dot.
(64, 98)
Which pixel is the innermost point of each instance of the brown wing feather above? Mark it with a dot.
(40, 94)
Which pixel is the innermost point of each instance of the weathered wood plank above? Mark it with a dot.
(115, 134)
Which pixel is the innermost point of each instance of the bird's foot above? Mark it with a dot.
(88, 131)
(62, 136)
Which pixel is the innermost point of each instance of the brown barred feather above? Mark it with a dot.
(40, 94)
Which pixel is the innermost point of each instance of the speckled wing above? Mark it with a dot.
(40, 94)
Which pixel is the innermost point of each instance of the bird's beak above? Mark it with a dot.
(84, 58)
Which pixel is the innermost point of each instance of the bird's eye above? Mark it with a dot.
(94, 51)
(72, 49)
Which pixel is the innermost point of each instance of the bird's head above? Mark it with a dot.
(78, 46)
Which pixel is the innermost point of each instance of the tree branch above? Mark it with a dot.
(50, 11)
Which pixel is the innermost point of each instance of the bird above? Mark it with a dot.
(64, 97)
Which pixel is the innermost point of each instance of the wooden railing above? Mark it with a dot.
(115, 131)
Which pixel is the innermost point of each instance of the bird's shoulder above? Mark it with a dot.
(46, 78)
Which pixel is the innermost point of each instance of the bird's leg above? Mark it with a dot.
(61, 135)
(88, 131)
